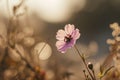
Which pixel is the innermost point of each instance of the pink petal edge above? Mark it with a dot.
(76, 34)
(69, 29)
(60, 34)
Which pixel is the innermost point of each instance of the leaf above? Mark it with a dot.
(102, 74)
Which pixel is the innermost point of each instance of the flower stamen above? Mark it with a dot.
(68, 38)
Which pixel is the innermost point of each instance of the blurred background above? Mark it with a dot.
(42, 18)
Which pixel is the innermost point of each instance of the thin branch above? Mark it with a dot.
(94, 74)
(84, 62)
(24, 59)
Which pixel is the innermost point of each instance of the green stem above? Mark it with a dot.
(84, 62)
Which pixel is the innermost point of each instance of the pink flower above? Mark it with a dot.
(67, 38)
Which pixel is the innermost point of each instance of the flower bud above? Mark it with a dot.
(90, 65)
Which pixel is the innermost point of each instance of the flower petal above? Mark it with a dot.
(69, 29)
(76, 34)
(60, 34)
(60, 44)
(67, 45)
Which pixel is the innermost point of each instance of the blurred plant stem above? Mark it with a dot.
(94, 74)
(84, 61)
(13, 31)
